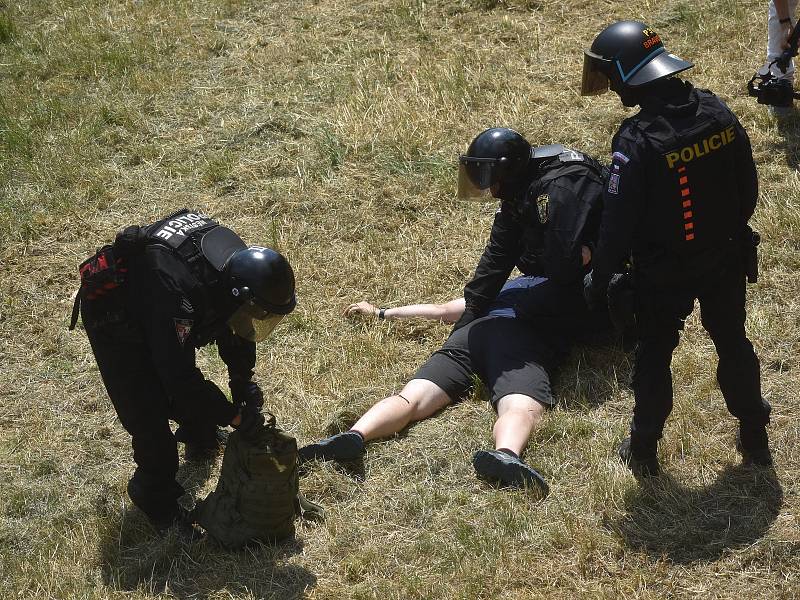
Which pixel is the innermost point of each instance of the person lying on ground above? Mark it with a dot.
(514, 359)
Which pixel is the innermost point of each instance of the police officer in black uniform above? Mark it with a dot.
(147, 303)
(682, 188)
(550, 208)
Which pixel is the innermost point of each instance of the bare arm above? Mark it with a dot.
(782, 9)
(449, 312)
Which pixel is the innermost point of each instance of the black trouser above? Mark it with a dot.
(661, 312)
(143, 408)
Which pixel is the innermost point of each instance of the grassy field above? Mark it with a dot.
(330, 128)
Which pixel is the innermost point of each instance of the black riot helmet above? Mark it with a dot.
(260, 282)
(627, 54)
(497, 156)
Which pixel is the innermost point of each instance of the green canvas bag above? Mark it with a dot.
(257, 497)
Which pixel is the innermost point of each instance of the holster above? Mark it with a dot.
(750, 241)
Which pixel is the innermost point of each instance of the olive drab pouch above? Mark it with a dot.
(257, 496)
(101, 275)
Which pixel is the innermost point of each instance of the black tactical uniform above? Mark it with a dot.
(682, 188)
(144, 333)
(543, 221)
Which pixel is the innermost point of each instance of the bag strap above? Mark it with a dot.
(76, 310)
(305, 509)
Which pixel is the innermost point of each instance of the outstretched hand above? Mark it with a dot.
(363, 308)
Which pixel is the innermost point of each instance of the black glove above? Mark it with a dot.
(246, 393)
(594, 298)
(252, 424)
(469, 315)
(622, 303)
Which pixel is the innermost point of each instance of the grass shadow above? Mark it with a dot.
(667, 519)
(789, 128)
(593, 373)
(133, 558)
(194, 475)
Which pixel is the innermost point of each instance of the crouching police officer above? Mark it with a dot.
(682, 188)
(550, 208)
(147, 302)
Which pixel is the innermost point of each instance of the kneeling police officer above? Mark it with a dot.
(550, 208)
(147, 302)
(682, 188)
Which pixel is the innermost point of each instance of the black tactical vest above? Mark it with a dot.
(692, 201)
(531, 210)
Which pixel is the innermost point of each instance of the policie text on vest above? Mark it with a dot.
(701, 148)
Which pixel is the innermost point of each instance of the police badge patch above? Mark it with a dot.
(183, 327)
(541, 207)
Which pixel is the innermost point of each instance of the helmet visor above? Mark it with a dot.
(474, 178)
(253, 323)
(593, 81)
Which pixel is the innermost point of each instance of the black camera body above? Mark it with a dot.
(768, 89)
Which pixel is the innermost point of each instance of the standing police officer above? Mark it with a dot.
(682, 188)
(147, 303)
(550, 207)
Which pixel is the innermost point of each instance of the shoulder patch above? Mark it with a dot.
(183, 327)
(613, 183)
(542, 203)
(620, 157)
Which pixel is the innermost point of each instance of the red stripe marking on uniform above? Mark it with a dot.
(687, 203)
(689, 237)
(685, 192)
(681, 169)
(688, 226)
(683, 180)
(687, 214)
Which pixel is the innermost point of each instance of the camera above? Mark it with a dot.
(768, 89)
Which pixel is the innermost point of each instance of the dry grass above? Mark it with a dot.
(329, 128)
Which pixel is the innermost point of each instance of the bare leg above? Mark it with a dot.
(418, 400)
(517, 416)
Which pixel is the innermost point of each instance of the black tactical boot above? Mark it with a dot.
(180, 524)
(509, 470)
(345, 446)
(753, 444)
(641, 459)
(162, 511)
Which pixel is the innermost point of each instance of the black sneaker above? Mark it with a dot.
(508, 470)
(642, 464)
(344, 446)
(753, 444)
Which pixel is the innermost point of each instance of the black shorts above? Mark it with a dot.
(505, 353)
